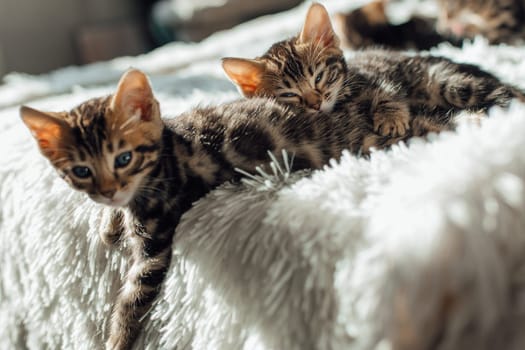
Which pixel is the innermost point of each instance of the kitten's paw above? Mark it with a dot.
(109, 238)
(115, 343)
(111, 227)
(391, 124)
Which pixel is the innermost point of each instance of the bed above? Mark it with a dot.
(421, 246)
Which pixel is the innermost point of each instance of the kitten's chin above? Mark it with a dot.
(119, 200)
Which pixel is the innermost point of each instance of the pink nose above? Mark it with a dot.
(457, 29)
(315, 106)
(313, 100)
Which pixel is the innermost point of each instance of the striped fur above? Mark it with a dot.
(174, 163)
(383, 91)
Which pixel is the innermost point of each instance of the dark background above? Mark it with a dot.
(37, 36)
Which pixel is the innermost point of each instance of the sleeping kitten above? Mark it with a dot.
(386, 88)
(369, 26)
(498, 21)
(148, 171)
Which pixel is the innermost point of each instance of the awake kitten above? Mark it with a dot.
(149, 171)
(387, 89)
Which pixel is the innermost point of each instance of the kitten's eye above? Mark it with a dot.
(122, 159)
(288, 94)
(319, 77)
(81, 171)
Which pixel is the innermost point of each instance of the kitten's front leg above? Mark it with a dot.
(111, 227)
(391, 117)
(150, 259)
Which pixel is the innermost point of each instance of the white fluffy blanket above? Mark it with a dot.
(419, 247)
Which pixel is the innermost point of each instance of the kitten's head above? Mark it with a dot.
(308, 70)
(106, 146)
(497, 20)
(358, 27)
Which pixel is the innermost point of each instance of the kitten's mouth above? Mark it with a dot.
(326, 106)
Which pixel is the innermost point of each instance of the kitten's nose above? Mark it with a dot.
(109, 193)
(313, 100)
(458, 29)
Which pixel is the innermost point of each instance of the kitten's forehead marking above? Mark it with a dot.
(88, 125)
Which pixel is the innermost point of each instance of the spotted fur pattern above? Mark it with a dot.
(173, 163)
(385, 89)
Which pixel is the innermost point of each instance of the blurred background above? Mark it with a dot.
(37, 36)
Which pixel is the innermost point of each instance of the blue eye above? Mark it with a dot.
(288, 94)
(319, 77)
(122, 159)
(81, 171)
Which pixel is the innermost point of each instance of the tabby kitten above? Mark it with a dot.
(148, 171)
(388, 89)
(500, 21)
(369, 26)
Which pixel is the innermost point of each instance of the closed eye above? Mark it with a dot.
(122, 159)
(288, 95)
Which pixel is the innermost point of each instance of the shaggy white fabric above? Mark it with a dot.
(420, 246)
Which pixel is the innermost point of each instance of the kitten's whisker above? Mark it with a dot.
(127, 123)
(152, 188)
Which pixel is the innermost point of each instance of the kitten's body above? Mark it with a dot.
(172, 164)
(390, 91)
(198, 151)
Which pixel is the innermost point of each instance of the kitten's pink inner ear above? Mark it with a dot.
(247, 74)
(46, 129)
(318, 28)
(134, 97)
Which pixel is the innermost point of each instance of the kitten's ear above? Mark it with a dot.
(49, 131)
(375, 12)
(134, 97)
(318, 28)
(246, 74)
